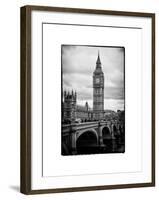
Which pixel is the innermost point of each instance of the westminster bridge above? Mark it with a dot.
(93, 137)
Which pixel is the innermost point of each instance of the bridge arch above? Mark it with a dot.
(106, 132)
(87, 141)
(107, 138)
(92, 130)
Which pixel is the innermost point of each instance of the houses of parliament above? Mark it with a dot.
(71, 111)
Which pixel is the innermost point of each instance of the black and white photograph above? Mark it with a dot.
(92, 99)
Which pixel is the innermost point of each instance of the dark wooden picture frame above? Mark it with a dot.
(26, 107)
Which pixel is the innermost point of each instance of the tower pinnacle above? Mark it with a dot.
(98, 68)
(98, 60)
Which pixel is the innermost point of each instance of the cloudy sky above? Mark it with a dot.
(78, 65)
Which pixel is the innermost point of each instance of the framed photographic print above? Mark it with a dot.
(87, 99)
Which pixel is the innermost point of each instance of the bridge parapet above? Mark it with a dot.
(85, 125)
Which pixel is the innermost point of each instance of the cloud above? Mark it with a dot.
(114, 93)
(78, 65)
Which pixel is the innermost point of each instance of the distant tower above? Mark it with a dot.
(87, 107)
(98, 91)
(69, 106)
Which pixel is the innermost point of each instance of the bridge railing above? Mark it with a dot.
(73, 127)
(91, 123)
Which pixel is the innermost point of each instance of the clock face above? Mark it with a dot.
(97, 80)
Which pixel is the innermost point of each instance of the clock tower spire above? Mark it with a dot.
(98, 62)
(98, 90)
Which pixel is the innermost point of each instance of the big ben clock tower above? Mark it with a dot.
(98, 91)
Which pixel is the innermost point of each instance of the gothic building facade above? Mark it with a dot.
(71, 111)
(69, 106)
